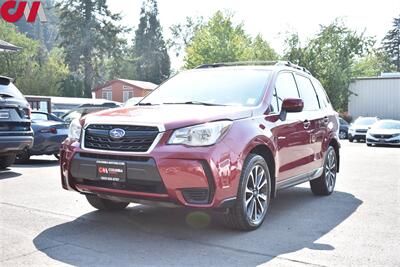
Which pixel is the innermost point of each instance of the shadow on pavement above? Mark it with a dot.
(37, 163)
(7, 174)
(158, 236)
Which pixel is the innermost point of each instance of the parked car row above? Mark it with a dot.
(372, 130)
(24, 133)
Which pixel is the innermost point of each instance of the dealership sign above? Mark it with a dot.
(12, 11)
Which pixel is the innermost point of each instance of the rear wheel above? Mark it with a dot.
(351, 139)
(6, 161)
(253, 197)
(325, 184)
(23, 157)
(105, 204)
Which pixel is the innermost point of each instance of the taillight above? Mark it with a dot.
(49, 130)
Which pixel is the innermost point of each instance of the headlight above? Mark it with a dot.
(75, 129)
(200, 135)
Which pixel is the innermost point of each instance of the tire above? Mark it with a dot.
(342, 135)
(369, 144)
(105, 204)
(351, 139)
(23, 157)
(243, 216)
(6, 161)
(325, 184)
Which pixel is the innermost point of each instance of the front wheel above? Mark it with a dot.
(253, 196)
(105, 204)
(325, 184)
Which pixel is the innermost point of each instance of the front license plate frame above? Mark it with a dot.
(112, 171)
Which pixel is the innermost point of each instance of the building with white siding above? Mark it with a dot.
(375, 96)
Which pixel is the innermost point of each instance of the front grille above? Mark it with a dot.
(196, 195)
(137, 138)
(383, 136)
(361, 130)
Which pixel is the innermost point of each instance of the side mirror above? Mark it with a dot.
(290, 105)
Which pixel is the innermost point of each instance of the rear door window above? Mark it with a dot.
(285, 87)
(322, 96)
(307, 93)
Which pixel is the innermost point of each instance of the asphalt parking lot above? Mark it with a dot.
(41, 224)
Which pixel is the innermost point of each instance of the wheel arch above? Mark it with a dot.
(267, 153)
(336, 146)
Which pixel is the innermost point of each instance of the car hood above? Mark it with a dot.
(169, 116)
(384, 131)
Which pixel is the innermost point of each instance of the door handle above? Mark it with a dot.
(306, 124)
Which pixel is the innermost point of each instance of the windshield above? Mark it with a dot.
(387, 125)
(214, 87)
(365, 121)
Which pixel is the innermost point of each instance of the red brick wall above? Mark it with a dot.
(117, 91)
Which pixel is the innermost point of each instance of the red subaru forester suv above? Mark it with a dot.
(222, 136)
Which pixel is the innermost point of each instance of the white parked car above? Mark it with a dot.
(358, 129)
(384, 132)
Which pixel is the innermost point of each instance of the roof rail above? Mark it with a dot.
(256, 63)
(292, 65)
(238, 63)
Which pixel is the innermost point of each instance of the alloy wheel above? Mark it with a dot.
(256, 198)
(330, 170)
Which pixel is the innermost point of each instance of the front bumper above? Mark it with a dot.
(12, 143)
(394, 141)
(192, 177)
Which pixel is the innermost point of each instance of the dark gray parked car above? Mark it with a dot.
(15, 124)
(49, 132)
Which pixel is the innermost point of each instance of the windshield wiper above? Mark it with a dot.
(193, 103)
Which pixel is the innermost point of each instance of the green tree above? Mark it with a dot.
(183, 33)
(373, 64)
(33, 76)
(391, 43)
(220, 40)
(330, 57)
(89, 32)
(152, 62)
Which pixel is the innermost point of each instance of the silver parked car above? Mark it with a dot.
(358, 129)
(384, 132)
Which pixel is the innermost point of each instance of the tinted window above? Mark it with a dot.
(322, 96)
(307, 93)
(285, 87)
(214, 86)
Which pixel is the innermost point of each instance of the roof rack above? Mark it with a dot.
(254, 63)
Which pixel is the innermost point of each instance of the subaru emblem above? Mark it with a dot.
(117, 133)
